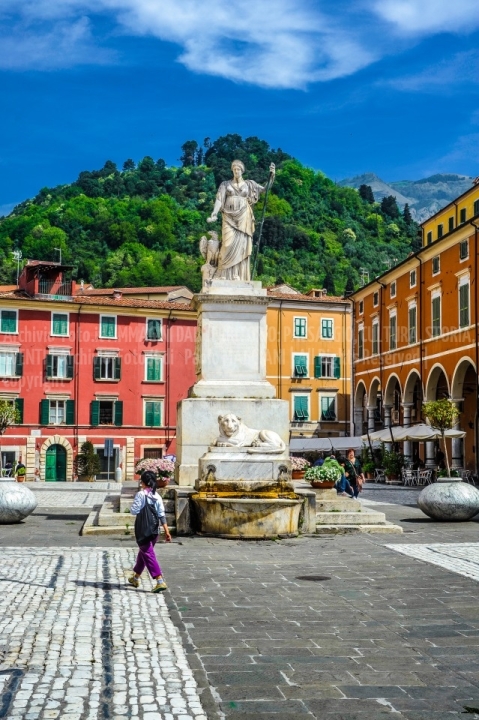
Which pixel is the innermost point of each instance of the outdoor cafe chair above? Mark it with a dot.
(424, 477)
(409, 477)
(379, 476)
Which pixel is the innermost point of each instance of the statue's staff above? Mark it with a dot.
(272, 171)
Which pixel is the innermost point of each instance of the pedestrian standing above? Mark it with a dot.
(354, 472)
(150, 513)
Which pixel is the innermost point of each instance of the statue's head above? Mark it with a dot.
(229, 424)
(237, 168)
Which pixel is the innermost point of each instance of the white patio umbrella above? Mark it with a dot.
(419, 433)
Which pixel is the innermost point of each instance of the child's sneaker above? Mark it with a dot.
(160, 585)
(133, 580)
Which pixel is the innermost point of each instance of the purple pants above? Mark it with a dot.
(146, 558)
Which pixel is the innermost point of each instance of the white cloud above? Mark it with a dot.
(271, 43)
(280, 44)
(447, 75)
(424, 17)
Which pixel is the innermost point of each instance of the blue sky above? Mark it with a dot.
(389, 86)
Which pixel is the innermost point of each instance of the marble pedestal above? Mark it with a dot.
(231, 346)
(244, 470)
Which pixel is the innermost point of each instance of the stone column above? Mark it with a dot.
(358, 420)
(371, 411)
(457, 460)
(387, 423)
(407, 445)
(130, 459)
(29, 458)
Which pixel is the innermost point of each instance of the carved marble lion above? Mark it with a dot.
(234, 433)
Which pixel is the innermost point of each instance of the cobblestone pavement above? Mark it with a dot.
(83, 645)
(76, 499)
(379, 629)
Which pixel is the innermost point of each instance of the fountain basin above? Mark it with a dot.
(248, 518)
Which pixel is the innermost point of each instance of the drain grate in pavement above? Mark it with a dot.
(313, 578)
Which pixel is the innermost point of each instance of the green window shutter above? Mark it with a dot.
(97, 368)
(95, 413)
(70, 366)
(300, 366)
(157, 414)
(9, 321)
(108, 326)
(476, 207)
(301, 408)
(118, 413)
(317, 366)
(70, 412)
(149, 414)
(464, 305)
(19, 364)
(19, 403)
(49, 366)
(337, 367)
(60, 324)
(327, 329)
(117, 368)
(153, 369)
(153, 329)
(436, 316)
(44, 412)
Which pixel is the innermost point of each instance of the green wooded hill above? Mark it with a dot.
(141, 225)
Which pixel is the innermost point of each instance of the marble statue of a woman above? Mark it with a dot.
(234, 200)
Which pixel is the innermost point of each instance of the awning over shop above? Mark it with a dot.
(324, 444)
(418, 433)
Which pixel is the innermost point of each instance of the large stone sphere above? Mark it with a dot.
(16, 502)
(449, 499)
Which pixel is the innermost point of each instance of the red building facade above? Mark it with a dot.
(92, 365)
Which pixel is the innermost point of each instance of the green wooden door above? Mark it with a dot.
(56, 464)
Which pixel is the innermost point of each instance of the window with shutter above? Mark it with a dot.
(19, 364)
(7, 364)
(318, 366)
(326, 329)
(392, 332)
(153, 413)
(153, 369)
(19, 404)
(44, 412)
(360, 343)
(117, 369)
(118, 413)
(300, 366)
(412, 324)
(70, 412)
(464, 305)
(375, 339)
(299, 327)
(328, 408)
(463, 250)
(337, 367)
(95, 413)
(436, 316)
(108, 326)
(97, 368)
(476, 207)
(60, 324)
(70, 365)
(8, 321)
(153, 329)
(301, 410)
(463, 215)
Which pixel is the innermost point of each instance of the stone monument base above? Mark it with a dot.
(197, 425)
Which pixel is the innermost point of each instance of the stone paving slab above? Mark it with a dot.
(89, 646)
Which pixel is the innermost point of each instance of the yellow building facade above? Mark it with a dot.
(309, 359)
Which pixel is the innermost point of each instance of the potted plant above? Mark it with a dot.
(163, 468)
(393, 463)
(298, 467)
(88, 463)
(324, 476)
(369, 468)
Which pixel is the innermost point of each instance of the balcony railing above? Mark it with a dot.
(53, 289)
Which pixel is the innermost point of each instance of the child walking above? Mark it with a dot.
(151, 506)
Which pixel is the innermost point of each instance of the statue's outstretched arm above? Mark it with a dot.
(214, 215)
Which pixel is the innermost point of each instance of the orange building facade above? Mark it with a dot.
(309, 359)
(416, 336)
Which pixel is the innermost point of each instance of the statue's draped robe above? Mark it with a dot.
(237, 228)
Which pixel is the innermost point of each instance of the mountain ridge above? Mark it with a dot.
(425, 196)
